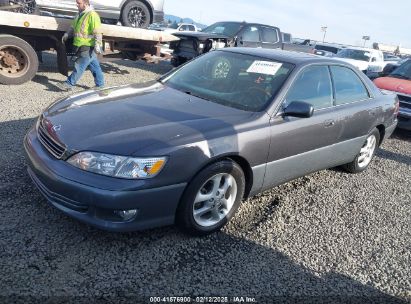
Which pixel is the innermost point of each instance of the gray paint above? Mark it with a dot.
(155, 120)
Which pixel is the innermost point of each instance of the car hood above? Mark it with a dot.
(128, 119)
(200, 35)
(394, 84)
(360, 64)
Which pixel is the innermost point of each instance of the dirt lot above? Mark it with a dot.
(330, 237)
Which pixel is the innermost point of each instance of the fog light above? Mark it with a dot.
(126, 215)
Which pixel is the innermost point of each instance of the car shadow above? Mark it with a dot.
(402, 134)
(393, 156)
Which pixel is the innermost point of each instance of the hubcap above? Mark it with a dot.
(137, 17)
(367, 151)
(13, 61)
(215, 199)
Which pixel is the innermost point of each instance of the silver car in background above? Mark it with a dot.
(135, 13)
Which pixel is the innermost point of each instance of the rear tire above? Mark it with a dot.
(136, 14)
(18, 60)
(211, 198)
(364, 157)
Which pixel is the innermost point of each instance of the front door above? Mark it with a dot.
(302, 145)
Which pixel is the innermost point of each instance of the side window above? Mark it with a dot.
(190, 28)
(269, 35)
(313, 85)
(251, 34)
(348, 86)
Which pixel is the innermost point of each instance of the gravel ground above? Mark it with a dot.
(329, 237)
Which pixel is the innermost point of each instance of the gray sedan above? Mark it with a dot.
(188, 148)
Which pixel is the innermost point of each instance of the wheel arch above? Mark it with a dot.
(239, 160)
(147, 3)
(381, 129)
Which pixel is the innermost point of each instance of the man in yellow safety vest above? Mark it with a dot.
(87, 40)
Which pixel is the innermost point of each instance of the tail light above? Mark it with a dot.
(396, 106)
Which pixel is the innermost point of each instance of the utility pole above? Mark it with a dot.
(324, 29)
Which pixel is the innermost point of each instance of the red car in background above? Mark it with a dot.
(399, 82)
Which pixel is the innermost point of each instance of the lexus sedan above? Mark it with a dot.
(189, 147)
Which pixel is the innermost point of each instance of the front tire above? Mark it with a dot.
(135, 14)
(211, 198)
(364, 157)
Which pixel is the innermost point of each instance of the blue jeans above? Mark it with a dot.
(84, 61)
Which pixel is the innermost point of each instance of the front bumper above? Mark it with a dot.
(95, 206)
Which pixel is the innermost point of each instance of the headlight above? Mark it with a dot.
(118, 166)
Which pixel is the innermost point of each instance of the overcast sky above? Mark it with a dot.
(387, 22)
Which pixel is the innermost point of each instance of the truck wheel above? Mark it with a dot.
(18, 60)
(135, 14)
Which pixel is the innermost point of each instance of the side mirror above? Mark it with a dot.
(373, 59)
(299, 109)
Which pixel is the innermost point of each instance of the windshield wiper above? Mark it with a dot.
(195, 95)
(400, 76)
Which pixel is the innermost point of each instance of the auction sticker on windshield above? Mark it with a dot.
(264, 67)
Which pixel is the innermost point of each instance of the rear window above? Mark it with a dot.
(348, 86)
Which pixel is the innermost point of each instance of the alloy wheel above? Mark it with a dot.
(367, 151)
(215, 199)
(137, 17)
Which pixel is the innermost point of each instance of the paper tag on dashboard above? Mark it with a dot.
(264, 67)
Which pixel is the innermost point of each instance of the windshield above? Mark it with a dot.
(223, 28)
(354, 54)
(235, 80)
(403, 71)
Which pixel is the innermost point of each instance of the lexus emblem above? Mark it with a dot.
(56, 128)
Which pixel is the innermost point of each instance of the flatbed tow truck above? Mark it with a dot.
(23, 37)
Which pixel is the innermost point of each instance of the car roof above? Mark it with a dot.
(245, 23)
(296, 58)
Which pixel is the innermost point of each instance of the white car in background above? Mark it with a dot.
(134, 13)
(370, 61)
(182, 27)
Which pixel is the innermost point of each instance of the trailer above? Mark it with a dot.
(23, 37)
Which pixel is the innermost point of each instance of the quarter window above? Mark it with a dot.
(348, 86)
(251, 34)
(313, 85)
(269, 35)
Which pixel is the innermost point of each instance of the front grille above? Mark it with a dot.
(405, 101)
(56, 149)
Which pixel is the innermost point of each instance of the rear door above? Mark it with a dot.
(353, 104)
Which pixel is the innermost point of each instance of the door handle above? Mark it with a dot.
(329, 123)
